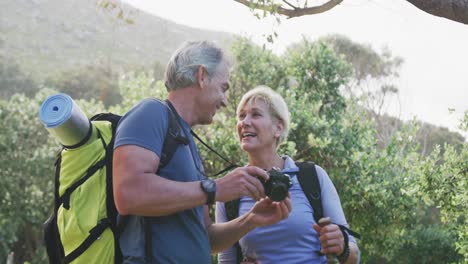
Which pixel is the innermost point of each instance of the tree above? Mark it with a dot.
(373, 82)
(456, 10)
(14, 80)
(26, 170)
(92, 81)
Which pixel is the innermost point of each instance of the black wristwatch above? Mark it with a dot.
(209, 187)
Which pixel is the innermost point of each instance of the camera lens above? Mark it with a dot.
(277, 186)
(278, 192)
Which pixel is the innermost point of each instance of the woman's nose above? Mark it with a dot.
(246, 121)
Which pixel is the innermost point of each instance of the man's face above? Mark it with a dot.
(213, 95)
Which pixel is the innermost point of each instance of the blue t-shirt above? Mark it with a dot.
(176, 238)
(292, 240)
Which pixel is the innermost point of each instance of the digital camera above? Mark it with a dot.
(277, 186)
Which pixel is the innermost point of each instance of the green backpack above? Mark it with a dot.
(83, 226)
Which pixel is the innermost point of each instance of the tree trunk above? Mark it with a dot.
(456, 10)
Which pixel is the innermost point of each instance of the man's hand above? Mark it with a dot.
(331, 239)
(266, 212)
(240, 182)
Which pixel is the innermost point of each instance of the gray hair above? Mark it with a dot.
(183, 65)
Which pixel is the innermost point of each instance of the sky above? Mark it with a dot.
(433, 78)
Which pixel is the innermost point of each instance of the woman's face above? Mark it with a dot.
(257, 128)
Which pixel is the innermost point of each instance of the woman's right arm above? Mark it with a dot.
(332, 207)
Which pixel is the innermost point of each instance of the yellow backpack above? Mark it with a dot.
(83, 226)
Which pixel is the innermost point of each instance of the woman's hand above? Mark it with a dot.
(266, 212)
(331, 239)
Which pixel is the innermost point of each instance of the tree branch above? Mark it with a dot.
(290, 13)
(289, 4)
(456, 10)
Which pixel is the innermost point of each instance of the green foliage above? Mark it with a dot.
(380, 186)
(444, 183)
(319, 74)
(315, 75)
(430, 245)
(26, 170)
(253, 66)
(94, 81)
(13, 79)
(430, 136)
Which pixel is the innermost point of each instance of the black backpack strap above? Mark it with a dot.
(232, 209)
(58, 166)
(84, 140)
(65, 198)
(174, 137)
(232, 212)
(110, 204)
(349, 231)
(310, 184)
(53, 244)
(94, 234)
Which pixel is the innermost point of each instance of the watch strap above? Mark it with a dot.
(210, 193)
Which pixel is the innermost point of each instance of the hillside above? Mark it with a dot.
(45, 37)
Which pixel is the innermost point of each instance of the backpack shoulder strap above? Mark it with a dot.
(112, 118)
(232, 212)
(232, 209)
(174, 136)
(110, 205)
(310, 184)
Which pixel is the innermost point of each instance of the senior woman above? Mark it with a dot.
(262, 124)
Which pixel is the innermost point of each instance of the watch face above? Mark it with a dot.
(209, 185)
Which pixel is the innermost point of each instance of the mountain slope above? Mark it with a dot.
(45, 37)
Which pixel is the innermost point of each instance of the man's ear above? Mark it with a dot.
(201, 76)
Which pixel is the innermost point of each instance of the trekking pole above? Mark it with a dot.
(331, 258)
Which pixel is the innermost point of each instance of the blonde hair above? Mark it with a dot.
(276, 104)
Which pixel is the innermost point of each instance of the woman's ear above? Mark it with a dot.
(278, 128)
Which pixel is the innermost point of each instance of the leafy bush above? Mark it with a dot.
(429, 245)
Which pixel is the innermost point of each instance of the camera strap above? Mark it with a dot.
(231, 165)
(186, 142)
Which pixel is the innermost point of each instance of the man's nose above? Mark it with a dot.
(224, 102)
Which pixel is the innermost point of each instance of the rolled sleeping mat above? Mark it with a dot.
(63, 119)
